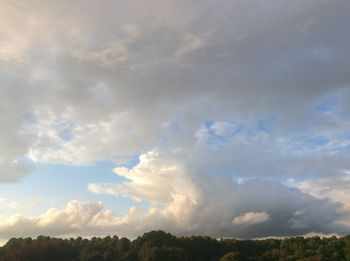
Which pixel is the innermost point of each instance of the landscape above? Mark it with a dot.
(159, 245)
(174, 130)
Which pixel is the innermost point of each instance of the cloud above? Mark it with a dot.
(235, 88)
(131, 61)
(265, 214)
(152, 179)
(12, 170)
(186, 202)
(53, 222)
(189, 45)
(8, 203)
(114, 77)
(335, 188)
(251, 218)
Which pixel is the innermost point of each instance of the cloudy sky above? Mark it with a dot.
(223, 118)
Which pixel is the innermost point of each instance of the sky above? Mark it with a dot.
(219, 118)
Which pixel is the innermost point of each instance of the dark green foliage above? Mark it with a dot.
(346, 241)
(233, 256)
(158, 245)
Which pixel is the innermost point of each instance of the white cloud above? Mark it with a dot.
(251, 218)
(215, 216)
(9, 203)
(83, 82)
(187, 202)
(75, 217)
(335, 188)
(221, 127)
(142, 89)
(153, 179)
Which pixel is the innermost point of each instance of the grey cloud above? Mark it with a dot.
(195, 203)
(231, 72)
(278, 211)
(290, 211)
(280, 61)
(122, 75)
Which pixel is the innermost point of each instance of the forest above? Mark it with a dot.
(159, 245)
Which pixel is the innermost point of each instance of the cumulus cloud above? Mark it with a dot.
(152, 179)
(74, 217)
(227, 88)
(251, 218)
(198, 203)
(185, 202)
(183, 216)
(335, 188)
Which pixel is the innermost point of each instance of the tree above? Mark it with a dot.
(233, 256)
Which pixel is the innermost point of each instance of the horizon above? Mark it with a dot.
(305, 236)
(226, 118)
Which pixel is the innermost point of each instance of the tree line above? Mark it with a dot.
(159, 245)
